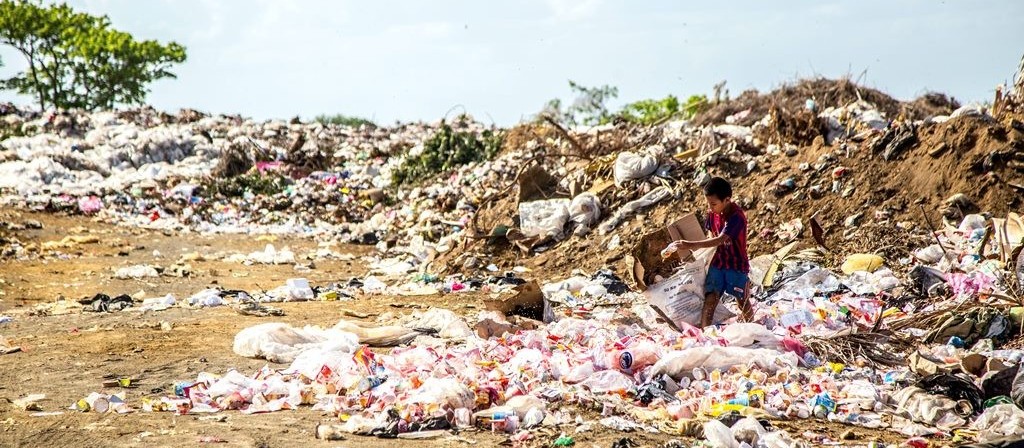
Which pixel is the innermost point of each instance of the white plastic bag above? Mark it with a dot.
(448, 393)
(544, 218)
(585, 209)
(679, 364)
(935, 410)
(630, 165)
(280, 342)
(652, 197)
(447, 324)
(719, 435)
(681, 296)
(751, 335)
(748, 430)
(608, 381)
(999, 421)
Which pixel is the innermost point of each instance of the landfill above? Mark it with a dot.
(886, 268)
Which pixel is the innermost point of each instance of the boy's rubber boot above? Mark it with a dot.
(707, 314)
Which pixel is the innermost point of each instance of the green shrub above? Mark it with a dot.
(267, 184)
(446, 150)
(651, 111)
(343, 120)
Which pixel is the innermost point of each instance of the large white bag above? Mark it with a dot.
(681, 296)
(630, 165)
(544, 218)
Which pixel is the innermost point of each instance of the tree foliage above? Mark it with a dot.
(588, 108)
(76, 60)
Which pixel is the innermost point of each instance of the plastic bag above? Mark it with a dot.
(681, 296)
(866, 283)
(630, 166)
(449, 393)
(935, 410)
(751, 335)
(608, 381)
(653, 197)
(544, 218)
(679, 364)
(280, 342)
(447, 324)
(719, 435)
(585, 209)
(1017, 389)
(999, 421)
(861, 262)
(205, 298)
(748, 430)
(780, 439)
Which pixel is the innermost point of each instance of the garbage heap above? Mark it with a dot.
(823, 345)
(899, 311)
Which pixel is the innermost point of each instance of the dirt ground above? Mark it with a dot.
(68, 356)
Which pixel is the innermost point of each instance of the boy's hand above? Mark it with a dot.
(668, 251)
(674, 248)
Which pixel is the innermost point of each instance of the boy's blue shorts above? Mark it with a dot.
(726, 281)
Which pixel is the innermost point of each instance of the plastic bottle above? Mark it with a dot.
(955, 341)
(741, 399)
(825, 400)
(463, 418)
(811, 360)
(498, 422)
(370, 382)
(633, 359)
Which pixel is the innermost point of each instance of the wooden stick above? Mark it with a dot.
(934, 232)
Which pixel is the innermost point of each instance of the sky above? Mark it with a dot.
(502, 61)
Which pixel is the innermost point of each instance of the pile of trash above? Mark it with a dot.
(910, 337)
(826, 345)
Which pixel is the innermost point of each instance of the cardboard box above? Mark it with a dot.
(647, 261)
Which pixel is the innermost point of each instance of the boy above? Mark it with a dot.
(730, 265)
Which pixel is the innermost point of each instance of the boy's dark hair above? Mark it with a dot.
(718, 187)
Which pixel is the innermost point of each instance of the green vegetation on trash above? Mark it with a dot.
(76, 60)
(590, 108)
(344, 120)
(652, 111)
(445, 150)
(267, 184)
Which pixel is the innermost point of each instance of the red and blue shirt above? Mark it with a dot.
(733, 253)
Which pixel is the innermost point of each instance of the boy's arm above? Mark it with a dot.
(710, 242)
(677, 245)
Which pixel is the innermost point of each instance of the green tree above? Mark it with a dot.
(589, 107)
(76, 60)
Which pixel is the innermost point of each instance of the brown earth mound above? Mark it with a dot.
(864, 202)
(824, 92)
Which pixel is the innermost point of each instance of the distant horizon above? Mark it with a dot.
(412, 62)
